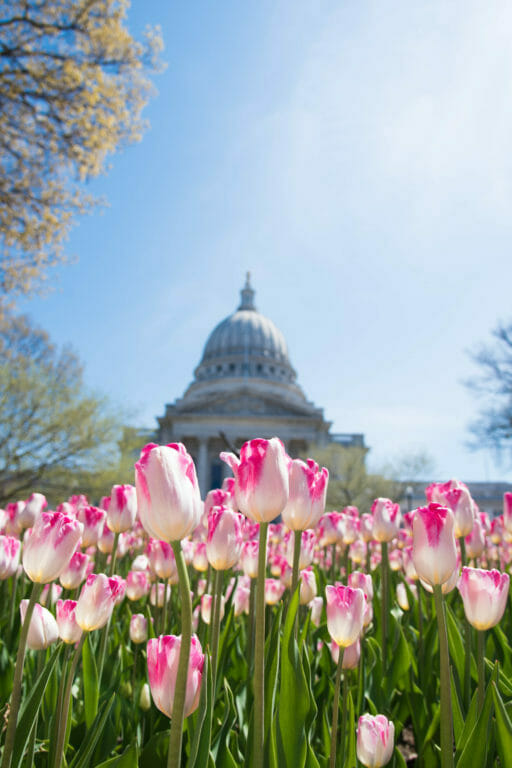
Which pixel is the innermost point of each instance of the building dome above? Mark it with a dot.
(245, 344)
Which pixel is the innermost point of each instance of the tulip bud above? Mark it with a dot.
(145, 698)
(329, 531)
(167, 491)
(93, 520)
(351, 654)
(96, 602)
(122, 509)
(137, 585)
(261, 478)
(9, 556)
(43, 630)
(274, 589)
(433, 550)
(484, 594)
(199, 560)
(375, 740)
(249, 559)
(69, 631)
(316, 606)
(138, 628)
(33, 507)
(345, 613)
(241, 600)
(308, 490)
(106, 541)
(49, 546)
(366, 527)
(224, 542)
(157, 594)
(76, 571)
(163, 656)
(162, 561)
(475, 541)
(386, 519)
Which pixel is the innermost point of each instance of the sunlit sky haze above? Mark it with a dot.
(356, 158)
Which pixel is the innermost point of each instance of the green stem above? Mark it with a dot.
(297, 541)
(481, 668)
(63, 720)
(446, 704)
(18, 675)
(346, 562)
(333, 563)
(178, 708)
(164, 608)
(467, 640)
(335, 708)
(250, 629)
(360, 682)
(420, 628)
(217, 602)
(58, 709)
(33, 733)
(368, 558)
(259, 648)
(384, 604)
(113, 556)
(103, 650)
(14, 602)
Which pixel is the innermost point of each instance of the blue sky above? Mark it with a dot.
(356, 158)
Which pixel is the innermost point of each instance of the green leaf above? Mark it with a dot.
(350, 757)
(475, 750)
(503, 729)
(458, 717)
(128, 759)
(294, 695)
(456, 643)
(91, 688)
(401, 657)
(272, 658)
(84, 754)
(30, 708)
(155, 752)
(200, 751)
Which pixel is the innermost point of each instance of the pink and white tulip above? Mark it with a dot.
(137, 585)
(163, 656)
(484, 594)
(76, 571)
(307, 494)
(32, 508)
(122, 509)
(168, 497)
(138, 628)
(96, 602)
(345, 613)
(69, 631)
(434, 552)
(93, 520)
(375, 740)
(386, 519)
(43, 629)
(49, 545)
(261, 478)
(9, 556)
(224, 541)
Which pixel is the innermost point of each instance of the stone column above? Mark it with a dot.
(202, 466)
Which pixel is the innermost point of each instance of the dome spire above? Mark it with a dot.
(247, 294)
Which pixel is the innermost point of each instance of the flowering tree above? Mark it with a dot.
(72, 88)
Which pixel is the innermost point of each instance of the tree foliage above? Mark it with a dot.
(493, 387)
(72, 88)
(350, 483)
(55, 436)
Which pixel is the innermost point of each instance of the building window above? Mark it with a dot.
(216, 475)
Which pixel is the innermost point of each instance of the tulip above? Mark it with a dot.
(9, 556)
(224, 542)
(351, 654)
(402, 596)
(96, 602)
(145, 698)
(199, 559)
(162, 561)
(316, 605)
(50, 545)
(329, 530)
(168, 496)
(138, 628)
(93, 520)
(507, 511)
(307, 545)
(137, 585)
(241, 600)
(375, 740)
(274, 589)
(484, 594)
(50, 594)
(345, 613)
(386, 519)
(434, 553)
(140, 563)
(159, 594)
(69, 631)
(76, 571)
(307, 494)
(43, 629)
(106, 541)
(122, 509)
(261, 478)
(163, 656)
(454, 495)
(308, 588)
(249, 559)
(475, 541)
(219, 497)
(31, 510)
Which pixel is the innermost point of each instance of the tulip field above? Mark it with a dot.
(253, 628)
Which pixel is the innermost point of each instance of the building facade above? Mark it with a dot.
(244, 387)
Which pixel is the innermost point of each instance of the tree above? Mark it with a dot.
(72, 88)
(350, 483)
(493, 386)
(55, 436)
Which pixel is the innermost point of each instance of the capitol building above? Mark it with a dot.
(244, 386)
